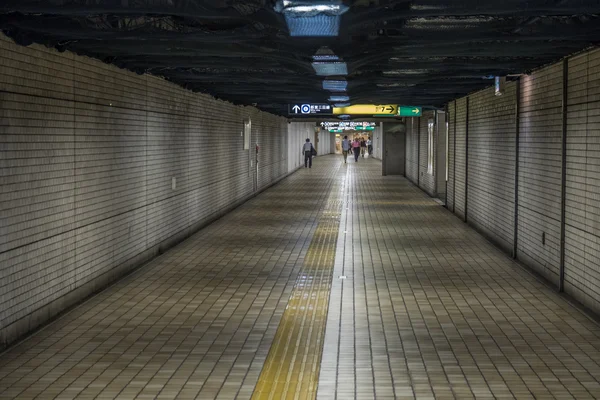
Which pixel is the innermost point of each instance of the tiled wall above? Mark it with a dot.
(540, 126)
(427, 181)
(582, 225)
(412, 150)
(417, 144)
(491, 164)
(484, 160)
(376, 138)
(460, 158)
(103, 168)
(451, 154)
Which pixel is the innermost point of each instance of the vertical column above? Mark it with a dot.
(467, 160)
(419, 152)
(406, 150)
(517, 142)
(454, 162)
(563, 188)
(447, 166)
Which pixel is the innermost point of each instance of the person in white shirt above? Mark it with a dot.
(370, 146)
(308, 151)
(346, 146)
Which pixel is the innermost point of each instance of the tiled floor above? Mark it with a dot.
(427, 309)
(291, 370)
(197, 322)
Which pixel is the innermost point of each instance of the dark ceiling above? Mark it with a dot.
(420, 52)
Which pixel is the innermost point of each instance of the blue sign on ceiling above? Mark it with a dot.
(308, 109)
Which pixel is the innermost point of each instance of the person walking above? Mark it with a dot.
(346, 146)
(370, 146)
(356, 149)
(308, 151)
(363, 147)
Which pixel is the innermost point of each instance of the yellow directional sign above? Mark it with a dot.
(367, 109)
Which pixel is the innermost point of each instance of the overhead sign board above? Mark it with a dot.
(367, 109)
(380, 110)
(409, 111)
(341, 126)
(310, 109)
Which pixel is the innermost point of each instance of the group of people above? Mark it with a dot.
(358, 147)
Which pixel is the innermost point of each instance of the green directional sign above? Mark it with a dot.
(408, 111)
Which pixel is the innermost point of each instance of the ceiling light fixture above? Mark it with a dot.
(312, 18)
(326, 63)
(335, 85)
(330, 68)
(339, 98)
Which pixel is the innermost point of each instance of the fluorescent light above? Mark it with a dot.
(325, 57)
(319, 25)
(335, 85)
(330, 68)
(406, 72)
(339, 98)
(338, 105)
(312, 18)
(325, 54)
(310, 9)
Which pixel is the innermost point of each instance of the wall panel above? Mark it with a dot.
(412, 149)
(491, 169)
(102, 168)
(540, 171)
(427, 181)
(460, 158)
(451, 155)
(582, 233)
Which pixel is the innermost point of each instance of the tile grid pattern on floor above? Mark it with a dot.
(197, 322)
(291, 370)
(430, 309)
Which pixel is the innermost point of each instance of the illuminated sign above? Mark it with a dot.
(380, 110)
(367, 109)
(409, 111)
(308, 109)
(342, 126)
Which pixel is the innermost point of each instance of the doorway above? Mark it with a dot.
(393, 148)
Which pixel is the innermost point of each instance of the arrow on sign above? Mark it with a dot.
(416, 111)
(296, 109)
(391, 109)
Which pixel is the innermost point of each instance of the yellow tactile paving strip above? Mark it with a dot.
(431, 310)
(195, 323)
(292, 368)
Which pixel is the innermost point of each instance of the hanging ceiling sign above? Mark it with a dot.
(409, 111)
(342, 126)
(308, 109)
(367, 109)
(380, 110)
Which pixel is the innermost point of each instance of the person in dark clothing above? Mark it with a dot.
(363, 147)
(308, 150)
